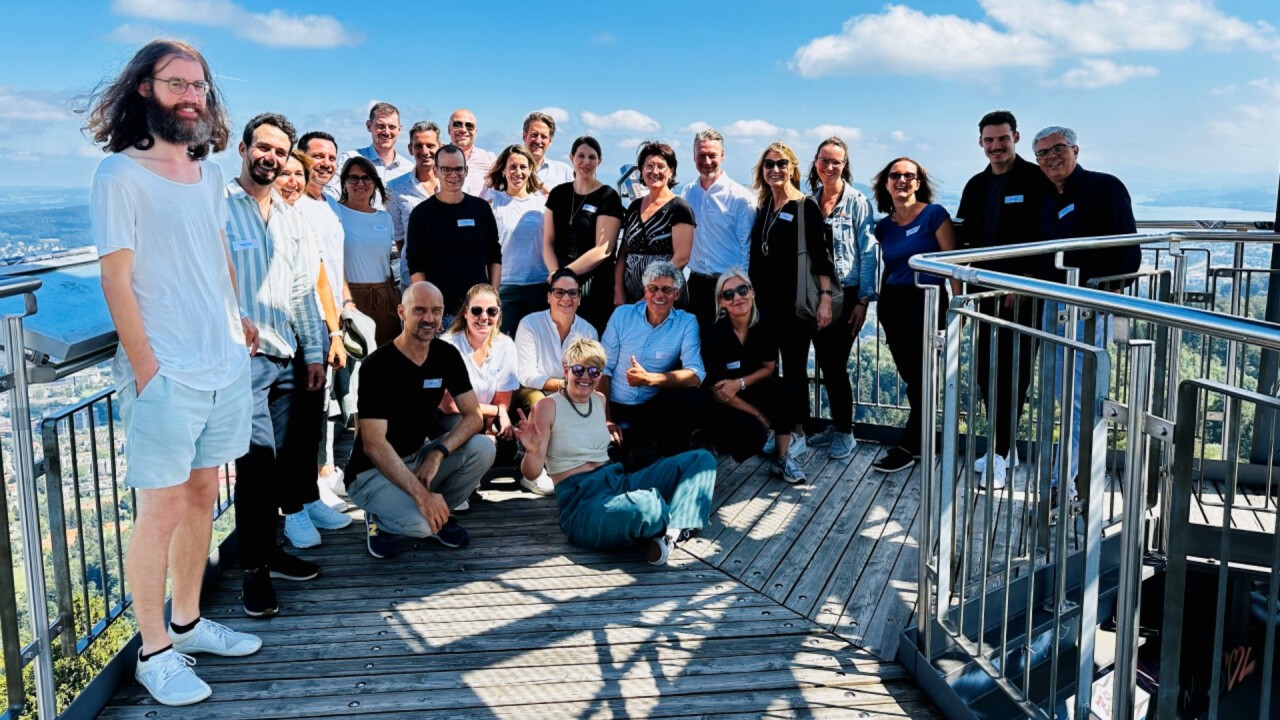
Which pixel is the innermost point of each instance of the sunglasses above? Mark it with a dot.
(782, 164)
(590, 371)
(741, 291)
(663, 289)
(902, 176)
(563, 293)
(359, 179)
(491, 311)
(458, 125)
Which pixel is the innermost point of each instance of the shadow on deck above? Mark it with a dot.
(521, 624)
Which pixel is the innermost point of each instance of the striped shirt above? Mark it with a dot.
(275, 283)
(672, 345)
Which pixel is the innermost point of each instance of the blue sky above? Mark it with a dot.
(1167, 94)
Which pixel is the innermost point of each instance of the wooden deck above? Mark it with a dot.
(521, 624)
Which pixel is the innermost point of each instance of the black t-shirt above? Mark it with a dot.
(406, 395)
(453, 245)
(726, 358)
(1004, 209)
(574, 218)
(773, 255)
(653, 236)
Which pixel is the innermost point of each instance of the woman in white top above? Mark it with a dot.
(490, 358)
(515, 192)
(543, 336)
(368, 236)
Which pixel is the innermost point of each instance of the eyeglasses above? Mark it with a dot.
(1055, 151)
(829, 162)
(728, 293)
(360, 179)
(663, 289)
(562, 293)
(458, 125)
(902, 176)
(590, 371)
(782, 164)
(446, 170)
(491, 311)
(656, 168)
(178, 86)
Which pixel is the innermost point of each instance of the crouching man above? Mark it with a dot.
(411, 464)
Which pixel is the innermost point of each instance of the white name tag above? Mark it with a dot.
(1012, 199)
(661, 355)
(733, 365)
(913, 231)
(786, 216)
(1066, 211)
(431, 384)
(379, 228)
(466, 222)
(244, 244)
(588, 208)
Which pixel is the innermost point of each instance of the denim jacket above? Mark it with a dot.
(854, 245)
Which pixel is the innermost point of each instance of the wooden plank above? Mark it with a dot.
(741, 500)
(897, 603)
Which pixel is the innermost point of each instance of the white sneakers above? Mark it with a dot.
(169, 677)
(540, 485)
(999, 471)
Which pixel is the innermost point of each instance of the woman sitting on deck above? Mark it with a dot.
(601, 505)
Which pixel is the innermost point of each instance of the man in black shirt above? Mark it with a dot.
(1001, 206)
(452, 237)
(410, 465)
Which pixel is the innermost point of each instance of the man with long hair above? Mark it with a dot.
(181, 369)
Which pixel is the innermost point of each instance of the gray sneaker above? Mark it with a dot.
(792, 472)
(216, 639)
(170, 679)
(842, 446)
(824, 438)
(770, 444)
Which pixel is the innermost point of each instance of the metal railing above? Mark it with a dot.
(1021, 603)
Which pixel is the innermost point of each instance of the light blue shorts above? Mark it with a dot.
(173, 429)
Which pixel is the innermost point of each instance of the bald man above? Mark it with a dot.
(462, 132)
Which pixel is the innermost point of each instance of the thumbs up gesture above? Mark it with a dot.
(637, 376)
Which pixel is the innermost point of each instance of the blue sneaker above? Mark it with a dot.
(451, 535)
(382, 544)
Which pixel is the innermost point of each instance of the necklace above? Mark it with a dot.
(770, 219)
(573, 212)
(574, 405)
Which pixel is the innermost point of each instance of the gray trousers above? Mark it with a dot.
(459, 475)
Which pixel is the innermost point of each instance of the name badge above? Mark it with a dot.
(466, 222)
(1066, 211)
(913, 231)
(244, 244)
(786, 216)
(1008, 199)
(379, 228)
(588, 208)
(733, 365)
(661, 355)
(431, 384)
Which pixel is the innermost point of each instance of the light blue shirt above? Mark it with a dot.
(853, 240)
(387, 171)
(672, 345)
(725, 213)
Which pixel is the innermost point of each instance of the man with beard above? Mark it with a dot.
(384, 129)
(539, 133)
(411, 463)
(181, 370)
(406, 191)
(462, 134)
(267, 241)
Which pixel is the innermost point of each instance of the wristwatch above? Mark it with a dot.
(742, 384)
(444, 451)
(828, 293)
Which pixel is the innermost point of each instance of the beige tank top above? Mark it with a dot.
(576, 440)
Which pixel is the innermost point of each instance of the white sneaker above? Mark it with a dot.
(464, 506)
(980, 465)
(324, 517)
(658, 550)
(170, 679)
(334, 482)
(798, 448)
(300, 531)
(999, 473)
(540, 485)
(214, 638)
(770, 444)
(330, 498)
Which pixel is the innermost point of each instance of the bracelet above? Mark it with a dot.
(828, 293)
(742, 384)
(444, 451)
(335, 334)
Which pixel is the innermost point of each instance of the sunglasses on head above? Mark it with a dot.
(590, 371)
(491, 311)
(741, 291)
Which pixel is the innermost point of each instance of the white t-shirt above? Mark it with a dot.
(180, 276)
(478, 167)
(539, 352)
(520, 234)
(366, 245)
(327, 234)
(497, 374)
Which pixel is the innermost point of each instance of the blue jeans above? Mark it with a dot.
(1102, 333)
(609, 507)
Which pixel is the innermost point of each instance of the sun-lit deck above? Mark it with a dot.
(521, 624)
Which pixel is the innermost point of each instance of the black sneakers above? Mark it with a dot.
(287, 567)
(258, 594)
(894, 460)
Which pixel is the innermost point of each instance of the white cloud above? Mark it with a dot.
(847, 133)
(27, 106)
(1253, 120)
(694, 128)
(275, 28)
(630, 144)
(755, 129)
(629, 120)
(903, 41)
(899, 136)
(130, 34)
(559, 114)
(1103, 73)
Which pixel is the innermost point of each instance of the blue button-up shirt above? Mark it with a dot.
(672, 345)
(725, 213)
(853, 241)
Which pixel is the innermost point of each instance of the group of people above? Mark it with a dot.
(643, 336)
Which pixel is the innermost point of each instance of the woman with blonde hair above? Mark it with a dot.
(490, 358)
(775, 244)
(515, 193)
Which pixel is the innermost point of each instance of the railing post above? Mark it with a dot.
(1133, 538)
(29, 518)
